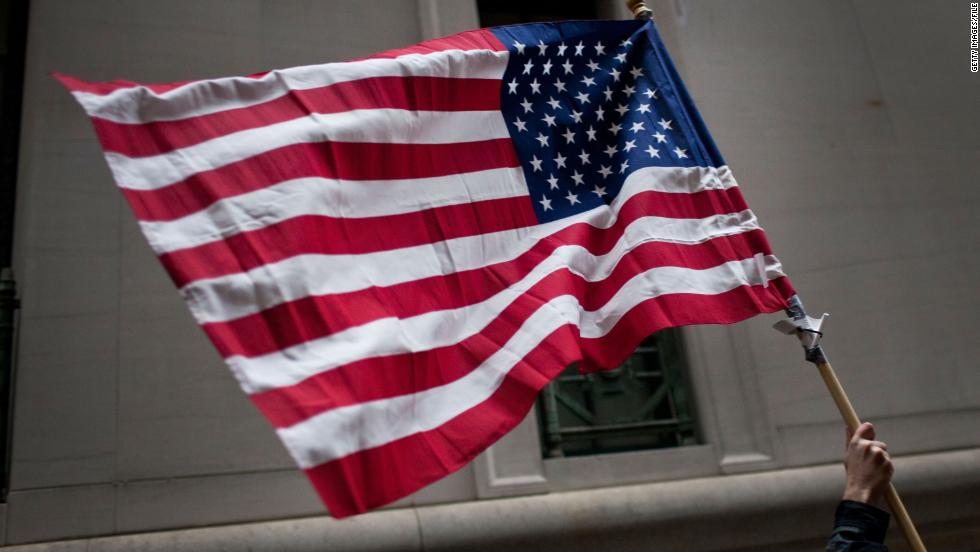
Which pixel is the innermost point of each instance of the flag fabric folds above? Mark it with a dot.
(395, 254)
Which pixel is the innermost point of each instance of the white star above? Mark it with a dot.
(592, 65)
(660, 138)
(512, 85)
(680, 153)
(549, 120)
(611, 150)
(600, 114)
(572, 198)
(569, 136)
(605, 171)
(527, 67)
(637, 126)
(630, 144)
(626, 42)
(536, 163)
(582, 97)
(555, 104)
(591, 133)
(588, 81)
(643, 108)
(576, 116)
(622, 109)
(560, 161)
(541, 47)
(526, 105)
(545, 203)
(584, 158)
(546, 68)
(599, 48)
(559, 85)
(636, 72)
(650, 93)
(624, 166)
(629, 90)
(535, 87)
(599, 190)
(615, 128)
(615, 75)
(577, 178)
(567, 66)
(521, 125)
(579, 47)
(621, 57)
(543, 139)
(561, 49)
(519, 46)
(552, 181)
(665, 124)
(654, 152)
(608, 92)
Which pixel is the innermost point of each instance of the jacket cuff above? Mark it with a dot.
(867, 519)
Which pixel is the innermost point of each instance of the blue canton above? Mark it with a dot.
(589, 102)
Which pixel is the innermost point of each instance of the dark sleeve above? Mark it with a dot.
(858, 527)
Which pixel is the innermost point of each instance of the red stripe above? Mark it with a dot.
(344, 160)
(477, 39)
(374, 477)
(323, 235)
(412, 93)
(480, 39)
(104, 88)
(304, 319)
(389, 376)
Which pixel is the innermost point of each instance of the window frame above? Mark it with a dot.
(737, 434)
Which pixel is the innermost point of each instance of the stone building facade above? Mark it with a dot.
(854, 130)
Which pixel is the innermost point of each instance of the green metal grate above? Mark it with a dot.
(642, 404)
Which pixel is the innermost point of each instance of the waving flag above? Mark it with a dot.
(394, 255)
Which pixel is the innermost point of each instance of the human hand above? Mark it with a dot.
(869, 468)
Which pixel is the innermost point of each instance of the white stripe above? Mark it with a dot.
(142, 105)
(332, 198)
(346, 430)
(390, 336)
(235, 295)
(371, 198)
(366, 125)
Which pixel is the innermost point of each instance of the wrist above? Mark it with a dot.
(860, 494)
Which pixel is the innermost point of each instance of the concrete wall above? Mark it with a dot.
(853, 127)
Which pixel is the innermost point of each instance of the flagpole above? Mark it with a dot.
(810, 335)
(639, 9)
(808, 330)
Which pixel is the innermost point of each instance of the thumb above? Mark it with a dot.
(865, 431)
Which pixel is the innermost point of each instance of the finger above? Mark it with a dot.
(880, 444)
(879, 454)
(865, 431)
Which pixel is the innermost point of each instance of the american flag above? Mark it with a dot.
(395, 254)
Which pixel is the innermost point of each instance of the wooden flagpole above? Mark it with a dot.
(853, 421)
(815, 354)
(808, 330)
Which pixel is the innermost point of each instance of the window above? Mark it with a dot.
(642, 404)
(13, 33)
(508, 12)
